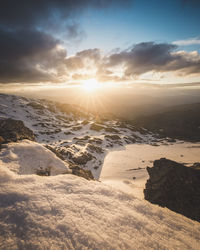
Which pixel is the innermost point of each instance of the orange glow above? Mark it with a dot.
(90, 85)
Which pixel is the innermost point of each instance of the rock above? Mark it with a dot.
(196, 165)
(111, 130)
(76, 170)
(174, 186)
(94, 148)
(171, 140)
(36, 105)
(83, 158)
(95, 140)
(13, 130)
(113, 137)
(129, 139)
(96, 127)
(43, 172)
(56, 131)
(76, 128)
(68, 133)
(1, 140)
(56, 152)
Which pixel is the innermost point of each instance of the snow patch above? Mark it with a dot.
(27, 157)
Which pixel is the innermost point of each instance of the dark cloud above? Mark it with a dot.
(149, 56)
(29, 56)
(23, 13)
(28, 53)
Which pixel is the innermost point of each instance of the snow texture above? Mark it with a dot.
(29, 157)
(68, 212)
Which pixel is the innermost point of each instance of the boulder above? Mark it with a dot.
(174, 186)
(14, 130)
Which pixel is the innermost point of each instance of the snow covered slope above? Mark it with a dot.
(68, 212)
(80, 137)
(29, 157)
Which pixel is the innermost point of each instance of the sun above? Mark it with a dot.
(90, 85)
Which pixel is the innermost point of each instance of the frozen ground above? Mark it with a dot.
(68, 212)
(126, 169)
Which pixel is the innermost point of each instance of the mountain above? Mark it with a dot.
(180, 122)
(44, 204)
(78, 136)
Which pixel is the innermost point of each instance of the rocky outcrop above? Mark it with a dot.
(174, 186)
(14, 130)
(76, 170)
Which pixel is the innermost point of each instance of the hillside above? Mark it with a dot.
(43, 205)
(181, 122)
(76, 135)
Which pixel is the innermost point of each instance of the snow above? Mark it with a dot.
(68, 212)
(63, 211)
(28, 157)
(121, 166)
(56, 129)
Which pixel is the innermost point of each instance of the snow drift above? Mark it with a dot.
(68, 212)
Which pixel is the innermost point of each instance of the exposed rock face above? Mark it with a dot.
(76, 170)
(13, 130)
(174, 186)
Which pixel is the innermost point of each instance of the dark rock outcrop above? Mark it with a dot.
(174, 186)
(14, 130)
(76, 170)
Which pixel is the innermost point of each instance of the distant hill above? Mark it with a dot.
(181, 122)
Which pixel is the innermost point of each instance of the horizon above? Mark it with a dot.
(96, 44)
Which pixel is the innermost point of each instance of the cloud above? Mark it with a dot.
(29, 13)
(29, 49)
(30, 56)
(190, 41)
(130, 64)
(149, 56)
(83, 62)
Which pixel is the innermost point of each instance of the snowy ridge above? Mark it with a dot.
(68, 212)
(78, 136)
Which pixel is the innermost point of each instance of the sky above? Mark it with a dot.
(122, 42)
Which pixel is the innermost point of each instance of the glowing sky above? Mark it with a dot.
(117, 41)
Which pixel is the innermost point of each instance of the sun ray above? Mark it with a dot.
(90, 85)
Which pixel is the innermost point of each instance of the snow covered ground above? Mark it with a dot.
(80, 137)
(126, 169)
(63, 211)
(68, 212)
(29, 157)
